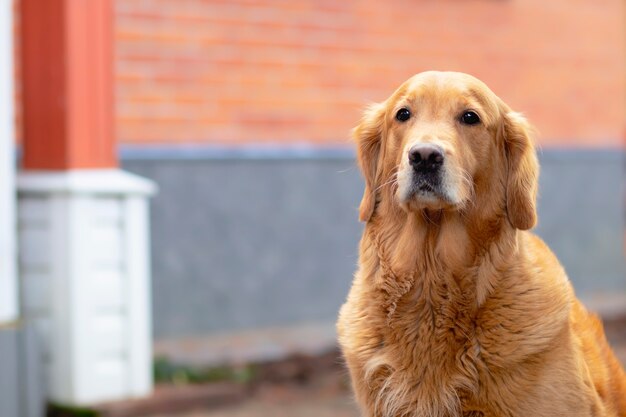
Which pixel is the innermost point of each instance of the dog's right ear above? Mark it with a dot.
(368, 136)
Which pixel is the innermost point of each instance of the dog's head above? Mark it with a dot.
(441, 139)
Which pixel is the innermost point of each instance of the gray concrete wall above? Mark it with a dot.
(242, 239)
(9, 373)
(21, 374)
(581, 217)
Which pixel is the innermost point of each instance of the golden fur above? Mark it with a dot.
(456, 309)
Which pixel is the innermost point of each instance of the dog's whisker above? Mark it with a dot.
(394, 178)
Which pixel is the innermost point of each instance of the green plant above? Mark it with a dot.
(59, 410)
(166, 371)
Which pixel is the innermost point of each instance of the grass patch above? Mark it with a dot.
(58, 410)
(166, 371)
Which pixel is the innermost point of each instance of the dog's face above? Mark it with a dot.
(436, 138)
(439, 133)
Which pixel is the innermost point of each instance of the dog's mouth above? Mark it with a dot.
(426, 191)
(419, 190)
(427, 186)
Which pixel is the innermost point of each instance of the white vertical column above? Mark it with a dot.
(85, 273)
(8, 283)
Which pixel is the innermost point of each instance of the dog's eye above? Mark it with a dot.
(470, 118)
(403, 114)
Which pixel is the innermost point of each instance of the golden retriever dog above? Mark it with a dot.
(456, 309)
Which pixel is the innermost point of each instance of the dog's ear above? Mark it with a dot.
(522, 172)
(368, 136)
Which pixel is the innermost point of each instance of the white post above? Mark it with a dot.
(8, 285)
(84, 265)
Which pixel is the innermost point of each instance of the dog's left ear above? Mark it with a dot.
(522, 172)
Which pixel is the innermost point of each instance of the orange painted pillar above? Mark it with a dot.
(67, 78)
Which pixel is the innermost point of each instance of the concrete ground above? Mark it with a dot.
(288, 401)
(327, 393)
(303, 386)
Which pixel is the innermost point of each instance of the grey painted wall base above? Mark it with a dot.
(21, 379)
(249, 346)
(259, 240)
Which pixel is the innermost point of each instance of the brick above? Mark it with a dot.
(240, 71)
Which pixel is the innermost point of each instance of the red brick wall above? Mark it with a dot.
(242, 71)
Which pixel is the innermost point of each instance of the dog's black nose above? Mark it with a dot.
(426, 158)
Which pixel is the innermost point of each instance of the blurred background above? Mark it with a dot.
(231, 119)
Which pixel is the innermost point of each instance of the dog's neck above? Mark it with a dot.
(439, 251)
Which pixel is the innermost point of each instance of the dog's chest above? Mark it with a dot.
(430, 356)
